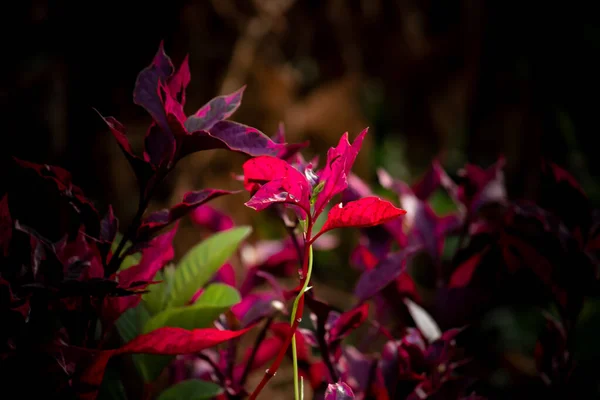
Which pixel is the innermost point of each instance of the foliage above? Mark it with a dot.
(512, 295)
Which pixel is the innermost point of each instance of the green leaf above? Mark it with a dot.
(156, 297)
(216, 299)
(130, 260)
(202, 261)
(131, 322)
(191, 389)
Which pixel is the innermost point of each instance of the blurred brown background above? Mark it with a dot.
(459, 80)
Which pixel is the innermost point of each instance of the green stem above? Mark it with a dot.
(294, 309)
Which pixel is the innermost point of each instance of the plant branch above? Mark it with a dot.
(214, 366)
(324, 349)
(259, 339)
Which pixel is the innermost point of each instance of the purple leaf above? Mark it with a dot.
(159, 146)
(338, 391)
(425, 228)
(147, 87)
(109, 226)
(481, 187)
(374, 280)
(435, 177)
(288, 151)
(216, 110)
(231, 136)
(160, 219)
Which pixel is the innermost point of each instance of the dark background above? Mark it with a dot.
(462, 80)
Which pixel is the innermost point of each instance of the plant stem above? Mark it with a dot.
(294, 311)
(299, 310)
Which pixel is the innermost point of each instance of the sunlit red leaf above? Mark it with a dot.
(276, 181)
(333, 177)
(368, 211)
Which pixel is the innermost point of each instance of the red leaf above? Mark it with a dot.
(335, 173)
(463, 274)
(368, 211)
(154, 257)
(6, 225)
(347, 322)
(166, 341)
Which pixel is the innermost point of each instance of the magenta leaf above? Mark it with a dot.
(166, 341)
(218, 109)
(160, 219)
(333, 177)
(6, 225)
(338, 391)
(180, 80)
(209, 217)
(368, 211)
(281, 183)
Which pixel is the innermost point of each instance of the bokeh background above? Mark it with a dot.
(460, 81)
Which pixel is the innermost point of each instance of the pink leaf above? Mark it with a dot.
(368, 211)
